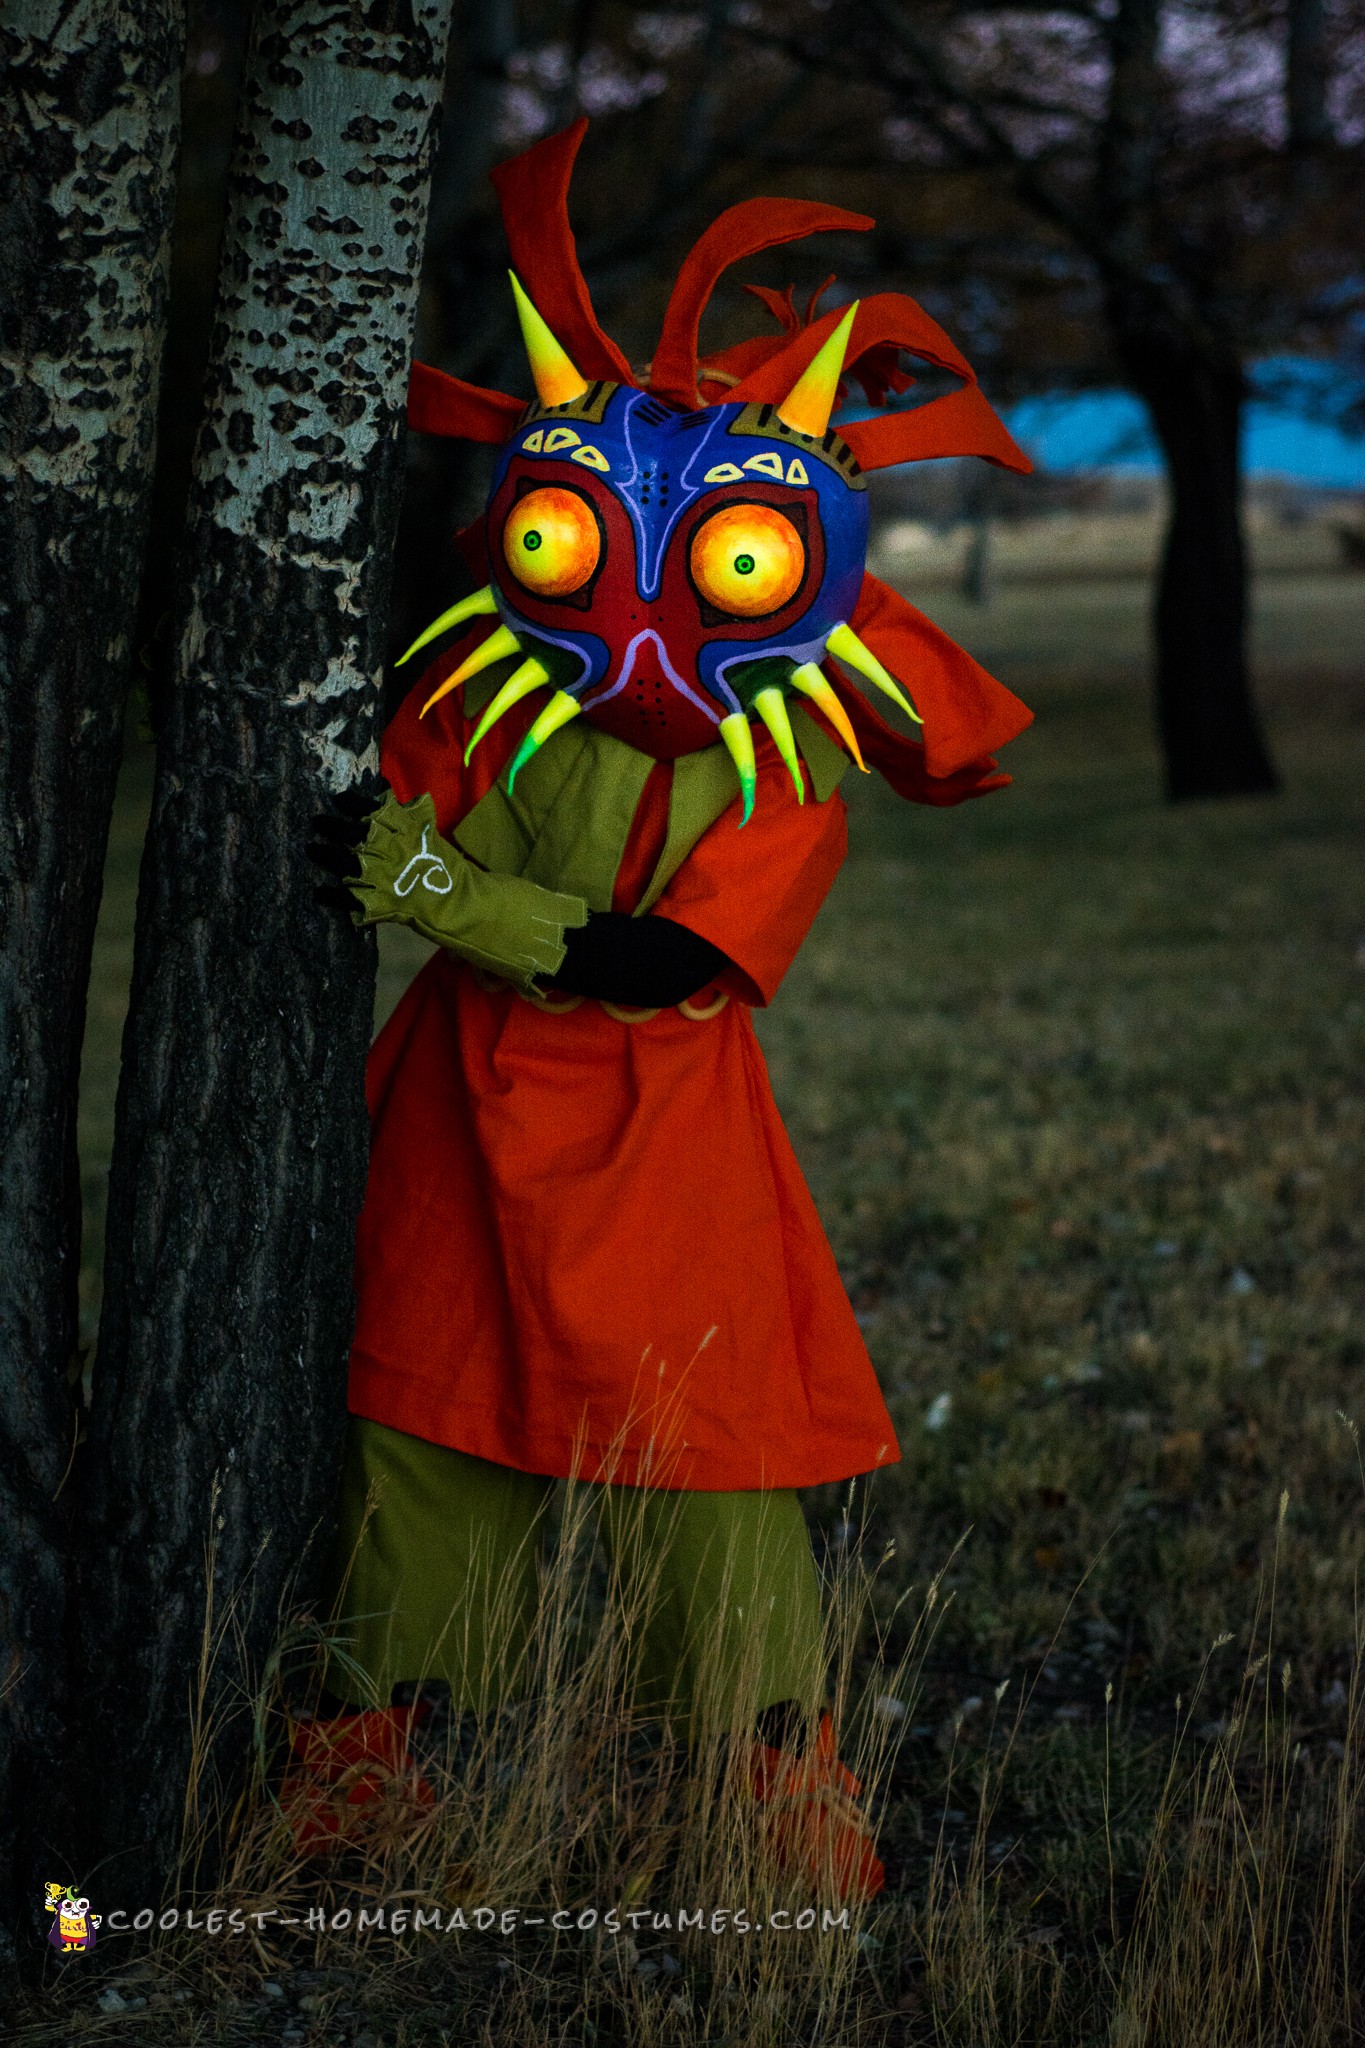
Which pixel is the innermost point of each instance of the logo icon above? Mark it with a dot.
(73, 1928)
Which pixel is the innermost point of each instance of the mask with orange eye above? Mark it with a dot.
(552, 543)
(672, 574)
(667, 569)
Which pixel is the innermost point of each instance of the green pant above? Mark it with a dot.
(716, 1593)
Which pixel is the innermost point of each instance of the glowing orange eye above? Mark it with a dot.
(551, 542)
(748, 559)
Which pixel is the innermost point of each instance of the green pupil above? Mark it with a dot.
(531, 541)
(744, 565)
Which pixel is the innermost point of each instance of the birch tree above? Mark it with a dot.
(240, 1143)
(89, 103)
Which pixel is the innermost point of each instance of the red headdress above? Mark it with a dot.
(966, 713)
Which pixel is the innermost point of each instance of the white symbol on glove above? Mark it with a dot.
(422, 871)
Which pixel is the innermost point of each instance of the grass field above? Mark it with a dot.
(1076, 1079)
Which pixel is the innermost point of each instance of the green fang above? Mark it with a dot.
(532, 675)
(771, 709)
(845, 644)
(812, 682)
(560, 709)
(468, 608)
(739, 743)
(499, 644)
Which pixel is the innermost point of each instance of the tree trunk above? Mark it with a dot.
(90, 112)
(1210, 732)
(978, 505)
(241, 1134)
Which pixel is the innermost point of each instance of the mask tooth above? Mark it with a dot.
(560, 709)
(496, 647)
(468, 608)
(532, 675)
(812, 682)
(844, 643)
(739, 742)
(771, 709)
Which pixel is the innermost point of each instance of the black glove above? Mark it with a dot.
(335, 837)
(647, 963)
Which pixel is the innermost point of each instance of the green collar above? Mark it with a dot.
(567, 822)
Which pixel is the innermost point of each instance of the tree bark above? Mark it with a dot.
(241, 1134)
(1210, 732)
(90, 110)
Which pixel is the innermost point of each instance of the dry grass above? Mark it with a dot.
(1216, 1912)
(1076, 1081)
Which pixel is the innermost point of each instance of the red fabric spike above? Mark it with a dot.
(438, 404)
(740, 231)
(816, 296)
(782, 305)
(967, 714)
(533, 192)
(886, 317)
(961, 423)
(879, 371)
(734, 364)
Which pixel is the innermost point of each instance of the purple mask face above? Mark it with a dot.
(665, 566)
(668, 573)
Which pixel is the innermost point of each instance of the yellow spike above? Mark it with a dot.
(532, 675)
(739, 744)
(557, 381)
(496, 647)
(844, 643)
(560, 709)
(770, 708)
(809, 403)
(468, 608)
(812, 682)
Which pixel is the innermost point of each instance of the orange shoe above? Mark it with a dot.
(349, 1772)
(812, 1820)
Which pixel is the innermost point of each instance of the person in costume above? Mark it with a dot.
(586, 1247)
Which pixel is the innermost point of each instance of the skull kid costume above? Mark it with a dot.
(587, 1248)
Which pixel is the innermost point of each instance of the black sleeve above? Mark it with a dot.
(646, 961)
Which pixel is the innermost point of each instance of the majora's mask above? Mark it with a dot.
(668, 569)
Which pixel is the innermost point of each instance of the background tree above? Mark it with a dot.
(89, 105)
(241, 1134)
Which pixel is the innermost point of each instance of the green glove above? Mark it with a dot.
(410, 875)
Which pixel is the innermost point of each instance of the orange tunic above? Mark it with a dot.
(586, 1243)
